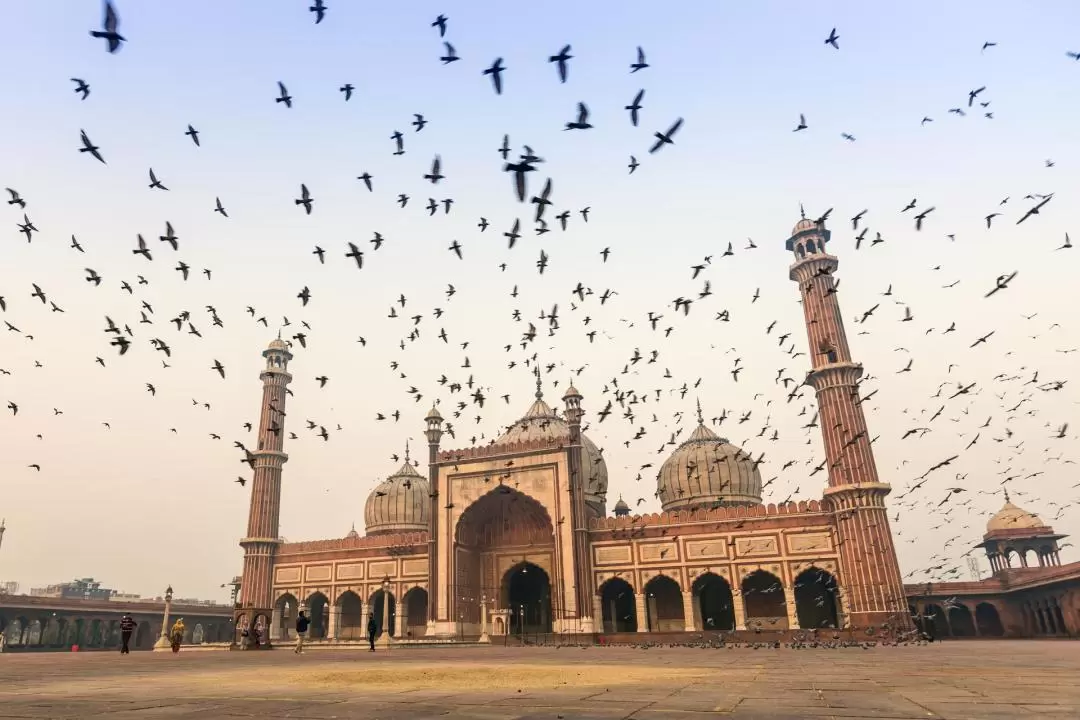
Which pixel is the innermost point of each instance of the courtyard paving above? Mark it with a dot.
(1007, 680)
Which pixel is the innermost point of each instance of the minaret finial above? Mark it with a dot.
(1007, 495)
(802, 212)
(406, 450)
(539, 390)
(279, 333)
(700, 417)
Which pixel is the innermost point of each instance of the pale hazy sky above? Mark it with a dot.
(139, 507)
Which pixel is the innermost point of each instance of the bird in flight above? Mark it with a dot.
(283, 95)
(81, 87)
(802, 123)
(582, 122)
(1002, 283)
(154, 182)
(440, 22)
(561, 59)
(665, 137)
(305, 199)
(89, 146)
(495, 71)
(347, 88)
(220, 208)
(15, 198)
(634, 107)
(319, 8)
(193, 134)
(1035, 210)
(833, 37)
(435, 175)
(109, 26)
(988, 44)
(450, 54)
(640, 64)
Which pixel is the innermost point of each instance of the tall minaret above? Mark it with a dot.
(261, 541)
(872, 587)
(583, 574)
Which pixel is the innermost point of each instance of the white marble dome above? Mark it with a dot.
(706, 471)
(400, 503)
(1011, 517)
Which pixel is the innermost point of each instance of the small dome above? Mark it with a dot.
(277, 344)
(540, 422)
(399, 503)
(571, 392)
(1011, 517)
(804, 224)
(352, 533)
(433, 414)
(705, 471)
(621, 508)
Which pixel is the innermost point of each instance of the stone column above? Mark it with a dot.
(642, 616)
(335, 622)
(163, 642)
(739, 608)
(398, 624)
(384, 638)
(688, 610)
(365, 611)
(792, 613)
(598, 614)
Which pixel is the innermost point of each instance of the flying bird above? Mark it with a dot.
(450, 54)
(193, 134)
(582, 121)
(283, 95)
(154, 182)
(440, 22)
(665, 137)
(640, 64)
(561, 59)
(81, 87)
(802, 123)
(833, 37)
(634, 107)
(305, 199)
(108, 31)
(319, 8)
(89, 146)
(495, 71)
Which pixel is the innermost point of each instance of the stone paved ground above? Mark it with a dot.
(954, 681)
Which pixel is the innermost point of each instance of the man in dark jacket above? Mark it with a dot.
(372, 629)
(127, 626)
(301, 630)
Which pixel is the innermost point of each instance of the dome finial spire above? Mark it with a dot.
(1007, 495)
(802, 212)
(406, 450)
(700, 417)
(539, 390)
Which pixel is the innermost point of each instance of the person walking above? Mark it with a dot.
(127, 626)
(177, 634)
(372, 629)
(302, 623)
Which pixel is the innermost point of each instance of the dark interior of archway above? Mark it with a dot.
(316, 613)
(287, 607)
(961, 623)
(763, 596)
(934, 622)
(815, 599)
(663, 605)
(617, 604)
(528, 594)
(716, 603)
(505, 517)
(416, 602)
(378, 608)
(352, 625)
(988, 620)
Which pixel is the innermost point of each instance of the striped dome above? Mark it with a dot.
(399, 503)
(706, 471)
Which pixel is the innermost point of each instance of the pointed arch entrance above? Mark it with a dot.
(816, 599)
(764, 600)
(663, 605)
(283, 625)
(415, 616)
(526, 592)
(318, 613)
(378, 607)
(352, 624)
(496, 537)
(715, 604)
(617, 606)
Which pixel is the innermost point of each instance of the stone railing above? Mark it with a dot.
(678, 517)
(499, 449)
(390, 540)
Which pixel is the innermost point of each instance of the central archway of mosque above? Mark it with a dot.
(497, 537)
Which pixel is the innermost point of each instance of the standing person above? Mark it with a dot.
(127, 626)
(372, 629)
(301, 630)
(177, 634)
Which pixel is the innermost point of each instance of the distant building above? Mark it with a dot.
(84, 588)
(9, 587)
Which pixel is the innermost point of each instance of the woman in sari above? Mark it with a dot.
(177, 634)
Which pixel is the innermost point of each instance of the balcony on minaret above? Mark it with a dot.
(277, 355)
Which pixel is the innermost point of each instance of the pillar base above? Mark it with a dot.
(383, 641)
(162, 644)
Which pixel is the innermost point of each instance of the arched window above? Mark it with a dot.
(617, 606)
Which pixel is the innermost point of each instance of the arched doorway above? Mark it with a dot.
(198, 635)
(352, 625)
(988, 621)
(284, 625)
(318, 616)
(715, 603)
(377, 606)
(961, 623)
(416, 601)
(663, 605)
(617, 605)
(503, 522)
(526, 590)
(764, 600)
(14, 632)
(816, 599)
(934, 621)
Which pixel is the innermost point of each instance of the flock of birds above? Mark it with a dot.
(618, 386)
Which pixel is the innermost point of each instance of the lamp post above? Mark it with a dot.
(483, 620)
(163, 641)
(384, 639)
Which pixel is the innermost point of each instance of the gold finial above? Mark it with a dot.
(802, 212)
(539, 391)
(700, 417)
(406, 451)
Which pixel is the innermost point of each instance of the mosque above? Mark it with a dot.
(514, 537)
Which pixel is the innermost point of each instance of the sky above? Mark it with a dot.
(139, 506)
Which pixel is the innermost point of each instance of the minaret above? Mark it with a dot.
(434, 433)
(583, 575)
(873, 590)
(261, 541)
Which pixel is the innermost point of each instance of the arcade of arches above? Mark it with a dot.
(57, 632)
(710, 604)
(346, 618)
